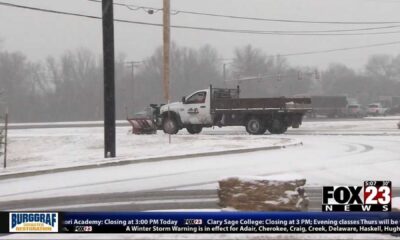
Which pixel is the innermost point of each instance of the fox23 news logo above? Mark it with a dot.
(374, 196)
(33, 222)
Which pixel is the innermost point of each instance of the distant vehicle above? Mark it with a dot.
(376, 109)
(389, 101)
(223, 107)
(393, 110)
(329, 106)
(354, 110)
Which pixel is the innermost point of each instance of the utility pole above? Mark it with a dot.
(224, 72)
(166, 41)
(109, 78)
(166, 51)
(133, 64)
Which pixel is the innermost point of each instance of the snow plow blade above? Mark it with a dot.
(142, 126)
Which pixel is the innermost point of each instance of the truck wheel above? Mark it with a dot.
(296, 125)
(280, 130)
(277, 127)
(194, 129)
(255, 126)
(170, 126)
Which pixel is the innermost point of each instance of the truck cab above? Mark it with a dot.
(193, 109)
(192, 112)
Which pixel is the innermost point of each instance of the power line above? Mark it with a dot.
(198, 28)
(146, 9)
(175, 12)
(340, 49)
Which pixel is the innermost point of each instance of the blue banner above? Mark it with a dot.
(230, 222)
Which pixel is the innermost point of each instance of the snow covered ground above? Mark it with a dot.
(375, 125)
(44, 148)
(333, 153)
(324, 158)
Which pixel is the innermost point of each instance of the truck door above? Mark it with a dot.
(197, 109)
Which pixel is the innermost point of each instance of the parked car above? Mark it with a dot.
(376, 109)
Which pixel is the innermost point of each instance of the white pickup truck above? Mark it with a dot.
(376, 109)
(223, 107)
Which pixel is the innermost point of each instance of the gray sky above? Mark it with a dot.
(39, 35)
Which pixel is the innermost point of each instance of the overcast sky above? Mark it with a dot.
(39, 35)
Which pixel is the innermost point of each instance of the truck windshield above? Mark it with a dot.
(199, 97)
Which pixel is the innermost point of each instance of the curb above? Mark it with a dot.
(144, 160)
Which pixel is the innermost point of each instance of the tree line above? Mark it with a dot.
(70, 87)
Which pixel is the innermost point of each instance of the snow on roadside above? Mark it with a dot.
(395, 117)
(34, 149)
(396, 204)
(375, 126)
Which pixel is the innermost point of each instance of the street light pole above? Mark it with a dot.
(224, 69)
(224, 72)
(109, 79)
(133, 64)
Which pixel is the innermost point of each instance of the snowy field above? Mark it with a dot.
(339, 152)
(46, 148)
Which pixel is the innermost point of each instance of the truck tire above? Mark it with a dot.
(170, 126)
(277, 127)
(194, 129)
(255, 126)
(295, 125)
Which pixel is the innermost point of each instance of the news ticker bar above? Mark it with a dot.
(199, 222)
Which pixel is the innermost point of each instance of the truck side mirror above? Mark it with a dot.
(183, 99)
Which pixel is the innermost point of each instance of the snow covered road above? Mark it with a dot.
(322, 160)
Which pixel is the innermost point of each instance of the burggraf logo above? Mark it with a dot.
(33, 222)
